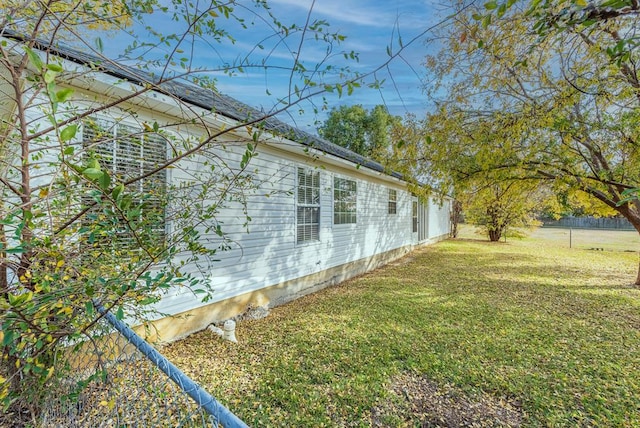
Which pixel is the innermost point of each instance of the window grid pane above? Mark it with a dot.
(344, 201)
(393, 202)
(127, 152)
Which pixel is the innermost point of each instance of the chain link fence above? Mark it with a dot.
(116, 379)
(590, 239)
(616, 223)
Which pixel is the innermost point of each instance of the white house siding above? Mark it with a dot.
(439, 218)
(7, 95)
(266, 253)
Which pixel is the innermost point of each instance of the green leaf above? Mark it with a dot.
(486, 21)
(55, 67)
(147, 301)
(120, 313)
(125, 202)
(93, 163)
(535, 3)
(64, 94)
(104, 180)
(9, 335)
(501, 10)
(92, 173)
(89, 307)
(34, 58)
(117, 191)
(68, 133)
(491, 5)
(50, 76)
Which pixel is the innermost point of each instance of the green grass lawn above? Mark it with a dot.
(466, 329)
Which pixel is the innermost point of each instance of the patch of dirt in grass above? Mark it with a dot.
(419, 401)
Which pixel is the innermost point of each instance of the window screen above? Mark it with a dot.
(127, 153)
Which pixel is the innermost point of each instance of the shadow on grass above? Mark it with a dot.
(484, 318)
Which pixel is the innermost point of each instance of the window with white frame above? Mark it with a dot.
(308, 206)
(393, 202)
(344, 201)
(414, 216)
(127, 152)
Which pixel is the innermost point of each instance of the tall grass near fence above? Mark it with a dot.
(108, 382)
(113, 378)
(578, 238)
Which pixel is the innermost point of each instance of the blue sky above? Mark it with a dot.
(370, 28)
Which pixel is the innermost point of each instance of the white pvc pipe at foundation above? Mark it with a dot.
(229, 331)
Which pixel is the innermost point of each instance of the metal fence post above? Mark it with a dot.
(570, 237)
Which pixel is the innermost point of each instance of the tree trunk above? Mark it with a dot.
(495, 234)
(635, 221)
(456, 212)
(495, 226)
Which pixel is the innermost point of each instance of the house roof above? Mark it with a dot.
(206, 99)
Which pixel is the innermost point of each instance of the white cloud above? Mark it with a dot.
(344, 11)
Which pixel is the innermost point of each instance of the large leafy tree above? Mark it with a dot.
(367, 132)
(557, 83)
(454, 154)
(499, 207)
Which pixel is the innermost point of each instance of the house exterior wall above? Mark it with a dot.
(7, 96)
(265, 254)
(264, 264)
(439, 219)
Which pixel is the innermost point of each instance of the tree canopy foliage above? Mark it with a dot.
(545, 91)
(367, 132)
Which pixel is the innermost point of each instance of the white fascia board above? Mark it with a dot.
(316, 155)
(113, 88)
